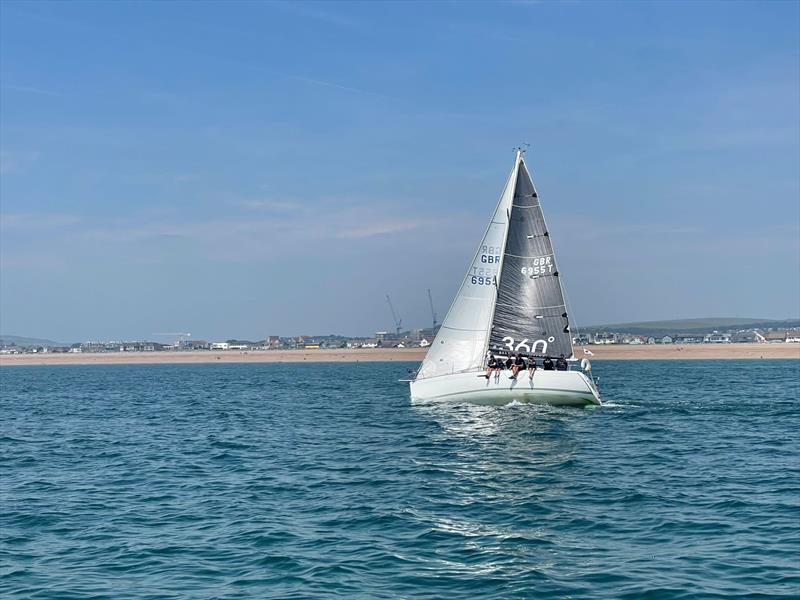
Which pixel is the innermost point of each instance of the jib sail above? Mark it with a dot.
(460, 344)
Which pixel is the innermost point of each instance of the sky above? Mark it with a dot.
(237, 170)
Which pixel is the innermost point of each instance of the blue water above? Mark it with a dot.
(309, 481)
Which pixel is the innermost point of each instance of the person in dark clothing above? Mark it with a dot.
(561, 363)
(509, 362)
(547, 363)
(517, 366)
(492, 366)
(531, 367)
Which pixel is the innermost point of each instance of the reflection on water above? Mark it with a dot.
(526, 436)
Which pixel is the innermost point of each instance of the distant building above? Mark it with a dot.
(665, 339)
(381, 335)
(688, 338)
(793, 336)
(423, 343)
(220, 346)
(582, 339)
(717, 338)
(195, 344)
(605, 338)
(746, 337)
(773, 337)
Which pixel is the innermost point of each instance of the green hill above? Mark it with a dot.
(27, 342)
(702, 325)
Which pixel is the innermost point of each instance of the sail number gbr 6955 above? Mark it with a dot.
(489, 255)
(542, 265)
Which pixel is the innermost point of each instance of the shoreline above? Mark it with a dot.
(610, 352)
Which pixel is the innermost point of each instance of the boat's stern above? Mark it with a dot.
(558, 388)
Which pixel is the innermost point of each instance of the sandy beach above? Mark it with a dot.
(611, 352)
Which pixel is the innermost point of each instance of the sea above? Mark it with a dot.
(323, 481)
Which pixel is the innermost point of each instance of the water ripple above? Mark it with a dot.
(298, 481)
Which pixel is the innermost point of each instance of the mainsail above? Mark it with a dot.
(510, 299)
(529, 314)
(460, 344)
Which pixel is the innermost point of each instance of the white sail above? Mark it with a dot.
(461, 342)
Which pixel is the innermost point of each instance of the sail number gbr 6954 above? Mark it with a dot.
(489, 255)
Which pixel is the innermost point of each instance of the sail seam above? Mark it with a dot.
(537, 256)
(533, 307)
(460, 329)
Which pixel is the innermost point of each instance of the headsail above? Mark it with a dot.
(529, 315)
(460, 344)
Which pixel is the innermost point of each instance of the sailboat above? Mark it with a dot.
(511, 301)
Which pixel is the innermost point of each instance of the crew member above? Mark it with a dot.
(547, 363)
(531, 367)
(561, 363)
(491, 366)
(519, 365)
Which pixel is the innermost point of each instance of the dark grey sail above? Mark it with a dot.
(530, 316)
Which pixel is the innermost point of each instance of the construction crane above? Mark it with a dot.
(398, 323)
(433, 312)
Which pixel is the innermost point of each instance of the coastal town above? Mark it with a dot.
(416, 338)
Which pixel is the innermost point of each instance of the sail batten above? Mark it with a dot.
(523, 308)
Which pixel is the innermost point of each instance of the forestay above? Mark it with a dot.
(460, 344)
(529, 316)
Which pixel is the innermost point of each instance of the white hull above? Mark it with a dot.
(557, 388)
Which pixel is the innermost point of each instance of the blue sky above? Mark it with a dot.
(238, 170)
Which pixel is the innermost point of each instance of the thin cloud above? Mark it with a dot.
(269, 205)
(186, 178)
(36, 221)
(246, 238)
(380, 228)
(15, 162)
(337, 86)
(310, 12)
(33, 90)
